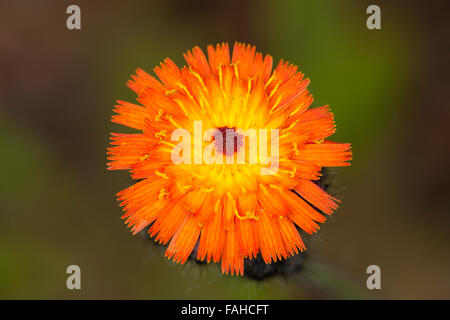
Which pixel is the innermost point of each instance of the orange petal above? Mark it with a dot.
(212, 237)
(316, 196)
(168, 73)
(232, 260)
(142, 80)
(197, 60)
(218, 56)
(248, 238)
(184, 240)
(130, 115)
(168, 223)
(270, 241)
(291, 238)
(326, 154)
(128, 149)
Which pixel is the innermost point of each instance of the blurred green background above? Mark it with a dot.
(388, 89)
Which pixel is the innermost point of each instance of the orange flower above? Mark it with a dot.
(231, 211)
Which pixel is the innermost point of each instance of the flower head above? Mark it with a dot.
(231, 210)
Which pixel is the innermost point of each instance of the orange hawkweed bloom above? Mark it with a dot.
(230, 211)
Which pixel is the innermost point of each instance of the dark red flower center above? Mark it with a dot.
(231, 137)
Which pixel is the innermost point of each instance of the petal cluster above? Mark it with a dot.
(225, 212)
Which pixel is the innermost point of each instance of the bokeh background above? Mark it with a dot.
(388, 89)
